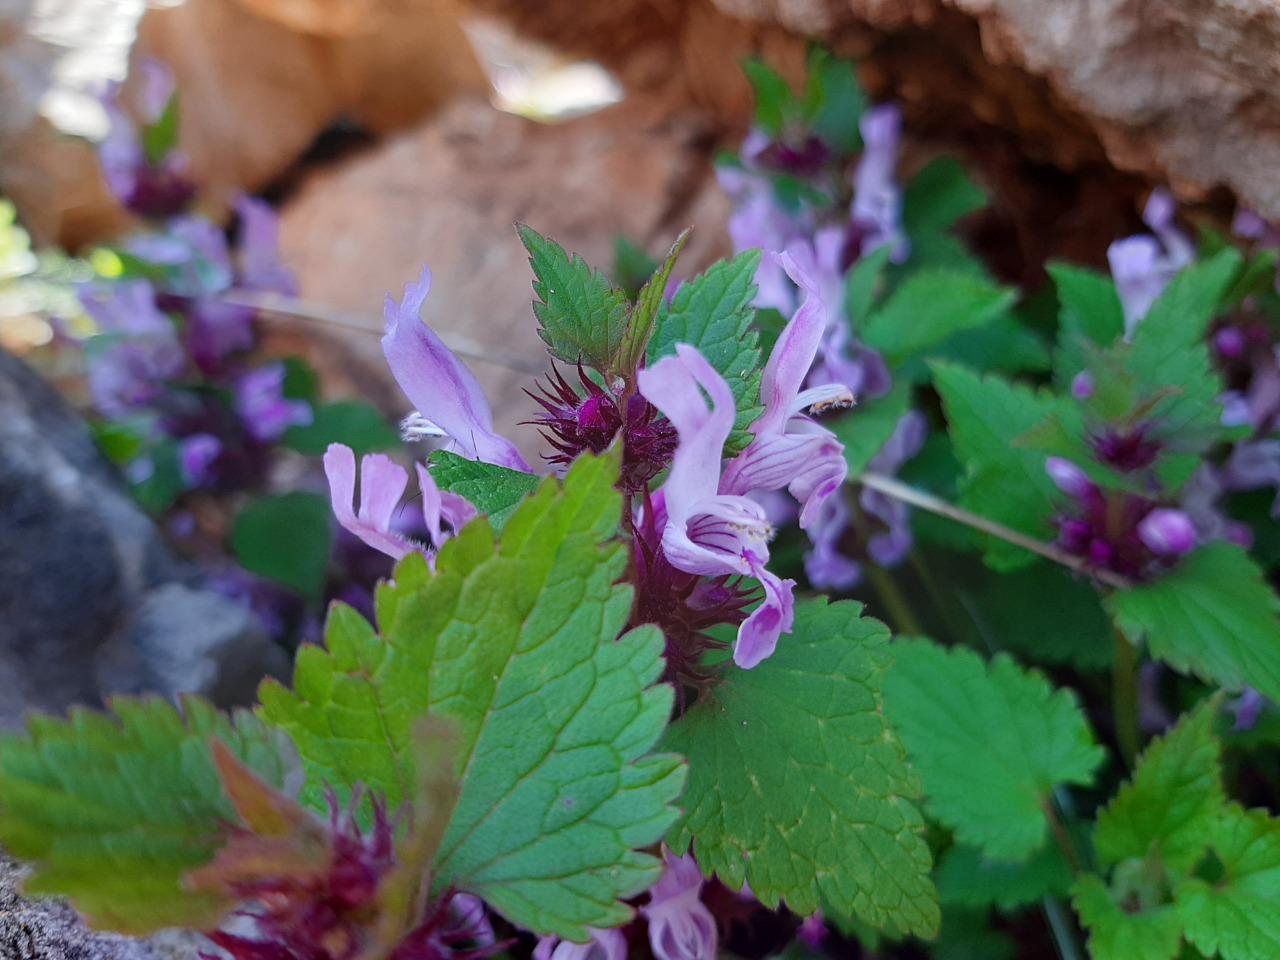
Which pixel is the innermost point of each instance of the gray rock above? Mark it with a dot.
(92, 602)
(50, 930)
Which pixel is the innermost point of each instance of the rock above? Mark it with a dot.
(91, 601)
(259, 81)
(50, 930)
(448, 194)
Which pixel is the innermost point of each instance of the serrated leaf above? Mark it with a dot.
(635, 340)
(868, 427)
(990, 741)
(1172, 801)
(1119, 934)
(1213, 615)
(1003, 481)
(938, 196)
(928, 308)
(1047, 614)
(1169, 348)
(112, 810)
(966, 878)
(517, 645)
(713, 313)
(632, 266)
(495, 491)
(352, 422)
(1005, 345)
(1237, 917)
(582, 315)
(1089, 312)
(799, 786)
(286, 538)
(967, 935)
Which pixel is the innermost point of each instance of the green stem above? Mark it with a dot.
(927, 501)
(900, 612)
(1124, 698)
(1065, 934)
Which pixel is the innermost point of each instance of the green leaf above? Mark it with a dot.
(862, 283)
(1003, 481)
(300, 381)
(868, 427)
(1116, 933)
(1169, 349)
(1257, 277)
(517, 645)
(1005, 345)
(1170, 805)
(967, 935)
(938, 196)
(287, 539)
(159, 139)
(632, 266)
(352, 422)
(1089, 312)
(798, 785)
(966, 878)
(581, 313)
(118, 443)
(990, 741)
(842, 101)
(1213, 615)
(713, 313)
(112, 810)
(774, 100)
(1237, 917)
(494, 491)
(1047, 614)
(645, 312)
(928, 308)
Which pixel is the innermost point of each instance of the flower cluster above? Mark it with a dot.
(824, 239)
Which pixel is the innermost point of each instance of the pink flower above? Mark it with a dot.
(604, 945)
(789, 449)
(446, 393)
(680, 925)
(382, 484)
(708, 533)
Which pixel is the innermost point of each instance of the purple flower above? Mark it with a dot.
(1144, 265)
(382, 484)
(1247, 708)
(891, 547)
(877, 201)
(825, 566)
(708, 533)
(153, 190)
(215, 330)
(261, 404)
(196, 455)
(789, 449)
(1167, 532)
(1069, 478)
(680, 925)
(260, 265)
(1082, 386)
(604, 945)
(446, 393)
(132, 372)
(1254, 465)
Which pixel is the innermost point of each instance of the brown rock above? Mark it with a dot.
(259, 81)
(1187, 91)
(448, 194)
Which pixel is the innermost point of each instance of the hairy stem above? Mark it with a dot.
(927, 501)
(1124, 698)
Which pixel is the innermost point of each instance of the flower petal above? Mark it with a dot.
(439, 384)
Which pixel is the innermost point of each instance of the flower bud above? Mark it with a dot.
(1167, 532)
(1082, 386)
(1068, 478)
